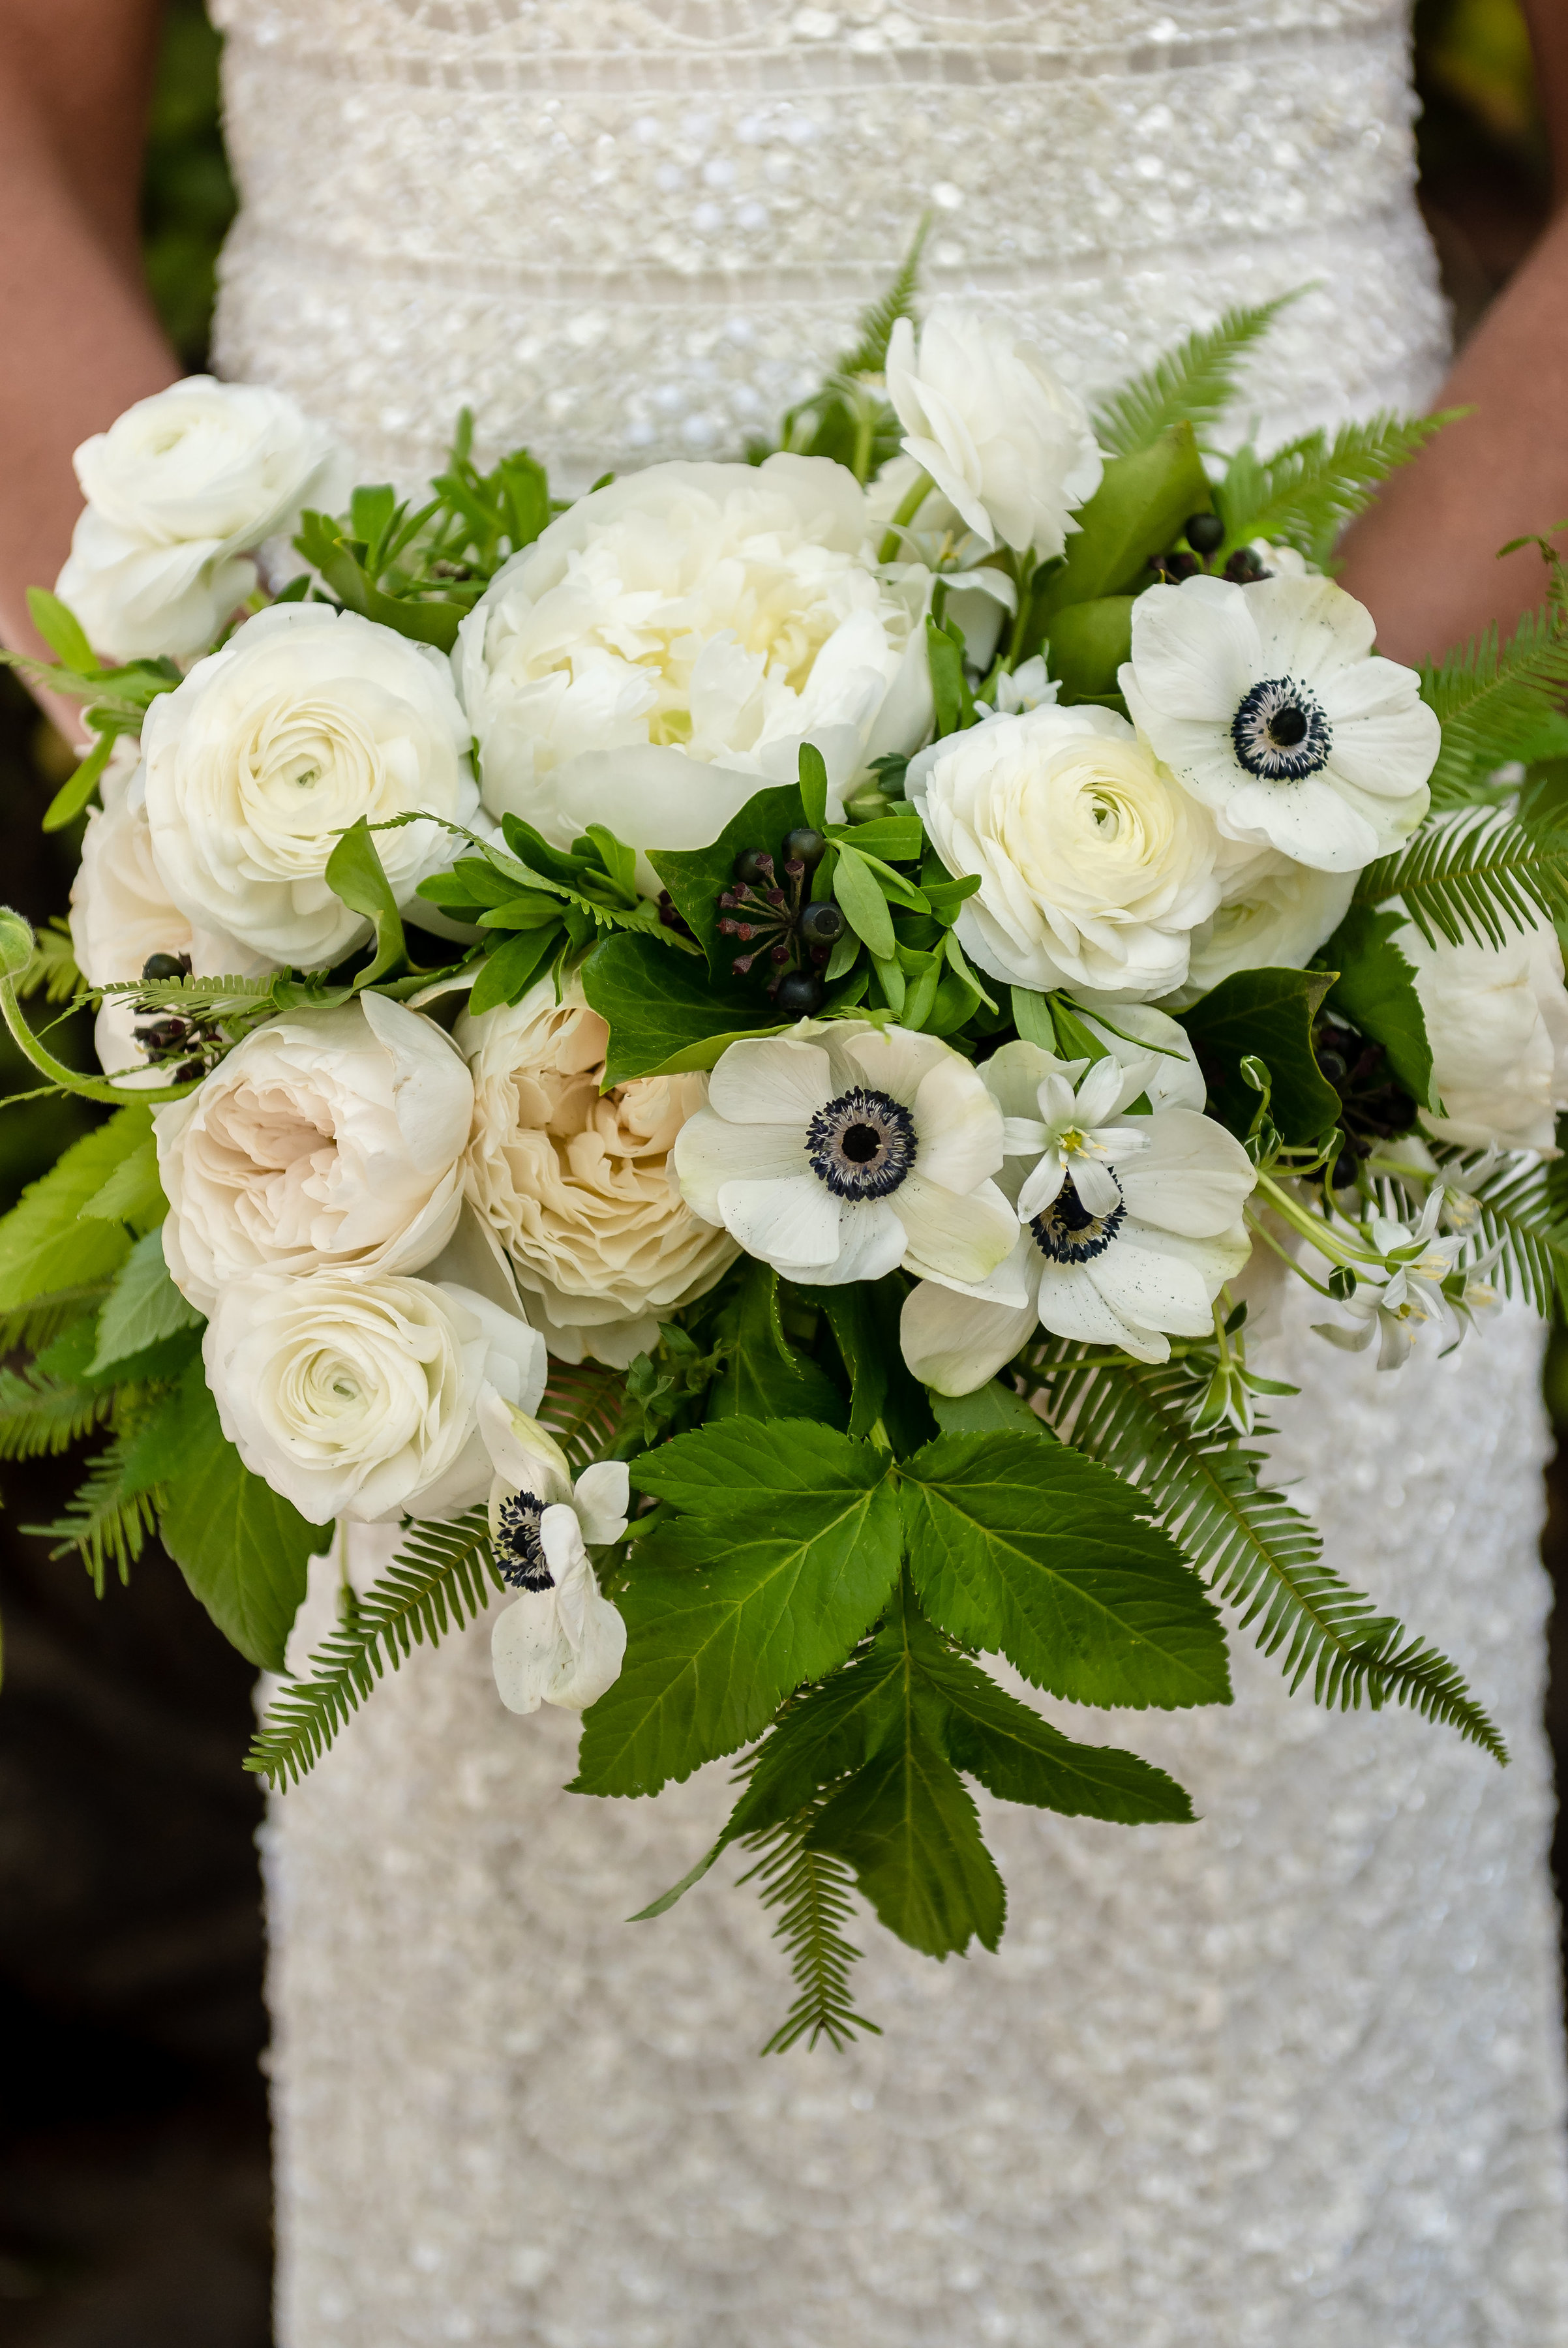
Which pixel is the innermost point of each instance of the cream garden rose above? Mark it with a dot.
(1095, 866)
(181, 489)
(678, 635)
(358, 1395)
(578, 1186)
(256, 765)
(330, 1139)
(985, 415)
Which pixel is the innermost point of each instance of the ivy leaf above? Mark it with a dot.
(664, 1013)
(784, 1551)
(141, 1309)
(1375, 992)
(244, 1550)
(354, 874)
(697, 877)
(1267, 1014)
(763, 1375)
(1014, 1549)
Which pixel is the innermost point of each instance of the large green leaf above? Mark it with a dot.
(1015, 1548)
(1089, 641)
(697, 877)
(44, 1244)
(1375, 992)
(783, 1554)
(665, 1014)
(764, 1375)
(1266, 1014)
(1138, 511)
(244, 1551)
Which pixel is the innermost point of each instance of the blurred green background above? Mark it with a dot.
(134, 2194)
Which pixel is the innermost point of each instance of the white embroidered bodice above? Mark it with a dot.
(1289, 2078)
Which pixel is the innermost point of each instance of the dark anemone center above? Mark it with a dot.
(1280, 732)
(1066, 1232)
(862, 1145)
(519, 1553)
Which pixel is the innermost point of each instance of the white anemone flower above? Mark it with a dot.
(1268, 703)
(1131, 1224)
(1411, 1298)
(561, 1640)
(842, 1150)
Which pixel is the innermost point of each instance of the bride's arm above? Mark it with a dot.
(1425, 558)
(79, 340)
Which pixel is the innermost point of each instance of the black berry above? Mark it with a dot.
(1204, 532)
(754, 866)
(163, 966)
(800, 993)
(805, 847)
(819, 925)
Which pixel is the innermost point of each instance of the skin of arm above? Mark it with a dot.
(80, 340)
(1424, 558)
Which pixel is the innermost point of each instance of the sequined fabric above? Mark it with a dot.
(1290, 2078)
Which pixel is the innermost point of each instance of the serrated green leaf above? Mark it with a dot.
(1013, 1548)
(133, 1193)
(763, 1375)
(1375, 992)
(1495, 702)
(141, 1309)
(784, 1553)
(1266, 1014)
(992, 1409)
(44, 1244)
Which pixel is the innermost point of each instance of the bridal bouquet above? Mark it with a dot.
(717, 1053)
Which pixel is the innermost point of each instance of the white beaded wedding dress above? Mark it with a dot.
(1289, 2078)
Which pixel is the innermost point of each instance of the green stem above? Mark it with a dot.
(1285, 1257)
(96, 1088)
(909, 506)
(1313, 1228)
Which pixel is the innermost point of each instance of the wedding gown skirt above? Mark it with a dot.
(1288, 2079)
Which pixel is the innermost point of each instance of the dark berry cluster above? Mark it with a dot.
(1205, 534)
(166, 1034)
(770, 915)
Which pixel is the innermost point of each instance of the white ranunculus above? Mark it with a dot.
(1497, 1020)
(1269, 704)
(841, 1150)
(1003, 438)
(1095, 866)
(675, 638)
(327, 1139)
(256, 764)
(561, 1641)
(358, 1395)
(1274, 914)
(121, 912)
(578, 1186)
(1130, 1228)
(180, 490)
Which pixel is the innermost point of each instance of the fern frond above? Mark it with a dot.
(582, 1408)
(210, 998)
(874, 326)
(1491, 697)
(40, 1414)
(1194, 384)
(1478, 874)
(52, 966)
(1519, 1216)
(440, 1579)
(1259, 1554)
(34, 1325)
(809, 1890)
(104, 1523)
(1303, 494)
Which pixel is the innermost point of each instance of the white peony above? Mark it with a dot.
(1273, 914)
(180, 490)
(673, 640)
(578, 1186)
(1003, 438)
(273, 747)
(1497, 1020)
(325, 1138)
(1130, 1228)
(561, 1641)
(357, 1396)
(1095, 866)
(840, 1152)
(121, 912)
(1269, 704)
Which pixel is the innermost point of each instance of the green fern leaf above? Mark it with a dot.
(1193, 384)
(40, 1414)
(440, 1579)
(1478, 874)
(1260, 1554)
(810, 1891)
(582, 1408)
(874, 327)
(208, 998)
(52, 970)
(1517, 1215)
(1303, 494)
(1491, 698)
(109, 1519)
